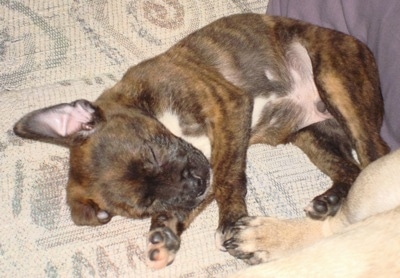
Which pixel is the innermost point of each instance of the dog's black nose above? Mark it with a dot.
(196, 184)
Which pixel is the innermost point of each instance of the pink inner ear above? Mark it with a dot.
(68, 119)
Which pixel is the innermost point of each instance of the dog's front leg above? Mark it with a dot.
(230, 197)
(163, 240)
(329, 148)
(229, 147)
(165, 231)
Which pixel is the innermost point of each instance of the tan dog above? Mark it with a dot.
(361, 240)
(147, 146)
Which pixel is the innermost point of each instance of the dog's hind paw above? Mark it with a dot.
(329, 202)
(162, 247)
(323, 206)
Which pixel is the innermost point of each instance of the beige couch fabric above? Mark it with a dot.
(62, 50)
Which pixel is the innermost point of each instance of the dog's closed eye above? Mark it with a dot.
(154, 157)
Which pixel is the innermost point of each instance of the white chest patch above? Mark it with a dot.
(258, 106)
(171, 121)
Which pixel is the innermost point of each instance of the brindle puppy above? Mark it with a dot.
(145, 147)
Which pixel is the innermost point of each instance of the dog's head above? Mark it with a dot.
(122, 160)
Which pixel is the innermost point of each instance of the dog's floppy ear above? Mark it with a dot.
(60, 123)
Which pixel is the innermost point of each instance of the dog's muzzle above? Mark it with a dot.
(195, 180)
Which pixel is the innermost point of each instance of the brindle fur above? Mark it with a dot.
(123, 161)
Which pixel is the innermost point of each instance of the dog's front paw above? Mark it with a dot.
(224, 232)
(323, 206)
(249, 240)
(162, 247)
(261, 239)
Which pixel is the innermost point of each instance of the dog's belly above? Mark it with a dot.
(277, 114)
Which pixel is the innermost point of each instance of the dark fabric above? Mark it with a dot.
(376, 23)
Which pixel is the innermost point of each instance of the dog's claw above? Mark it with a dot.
(239, 225)
(245, 256)
(230, 244)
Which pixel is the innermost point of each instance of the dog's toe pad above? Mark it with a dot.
(158, 257)
(323, 206)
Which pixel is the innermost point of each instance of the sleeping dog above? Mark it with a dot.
(172, 134)
(361, 240)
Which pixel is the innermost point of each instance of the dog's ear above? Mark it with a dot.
(60, 123)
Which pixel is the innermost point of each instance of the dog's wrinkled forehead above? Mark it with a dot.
(131, 138)
(125, 137)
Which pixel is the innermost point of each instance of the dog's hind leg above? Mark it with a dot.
(348, 83)
(329, 148)
(359, 113)
(353, 98)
